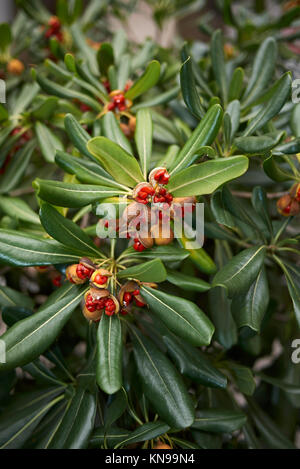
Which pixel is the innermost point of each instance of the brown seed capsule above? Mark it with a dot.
(97, 293)
(147, 242)
(132, 124)
(288, 206)
(92, 315)
(15, 67)
(163, 235)
(72, 275)
(160, 445)
(295, 192)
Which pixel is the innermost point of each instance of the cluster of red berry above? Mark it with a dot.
(128, 298)
(118, 102)
(54, 29)
(24, 138)
(106, 304)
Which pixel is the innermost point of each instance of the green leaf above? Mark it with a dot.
(233, 112)
(78, 136)
(219, 420)
(29, 338)
(204, 134)
(145, 432)
(68, 93)
(5, 35)
(260, 144)
(109, 359)
(249, 308)
(48, 141)
(181, 316)
(66, 231)
(260, 204)
(105, 58)
(274, 171)
(23, 415)
(143, 139)
(218, 63)
(16, 168)
(193, 363)
(111, 130)
(278, 95)
(292, 276)
(152, 271)
(121, 165)
(295, 120)
(219, 211)
(162, 384)
(77, 423)
(149, 78)
(19, 208)
(236, 84)
(25, 98)
(243, 378)
(164, 253)
(188, 86)
(267, 428)
(10, 297)
(199, 257)
(87, 172)
(241, 270)
(205, 178)
(46, 108)
(289, 148)
(187, 282)
(23, 250)
(113, 436)
(262, 72)
(65, 194)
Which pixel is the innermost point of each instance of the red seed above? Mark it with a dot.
(100, 279)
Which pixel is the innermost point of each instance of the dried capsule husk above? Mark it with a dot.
(152, 181)
(179, 202)
(117, 304)
(97, 293)
(87, 263)
(146, 242)
(72, 276)
(92, 316)
(103, 273)
(287, 206)
(134, 210)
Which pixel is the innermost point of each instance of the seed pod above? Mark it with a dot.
(142, 187)
(160, 445)
(287, 206)
(97, 293)
(88, 263)
(130, 287)
(92, 316)
(295, 192)
(100, 278)
(15, 67)
(147, 242)
(152, 174)
(162, 236)
(72, 275)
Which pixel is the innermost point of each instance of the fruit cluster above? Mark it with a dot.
(289, 204)
(54, 29)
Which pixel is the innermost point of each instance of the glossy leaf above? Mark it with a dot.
(188, 85)
(204, 134)
(48, 141)
(143, 139)
(187, 282)
(219, 420)
(109, 359)
(116, 161)
(151, 271)
(206, 177)
(149, 78)
(65, 194)
(241, 270)
(181, 316)
(28, 338)
(18, 208)
(162, 384)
